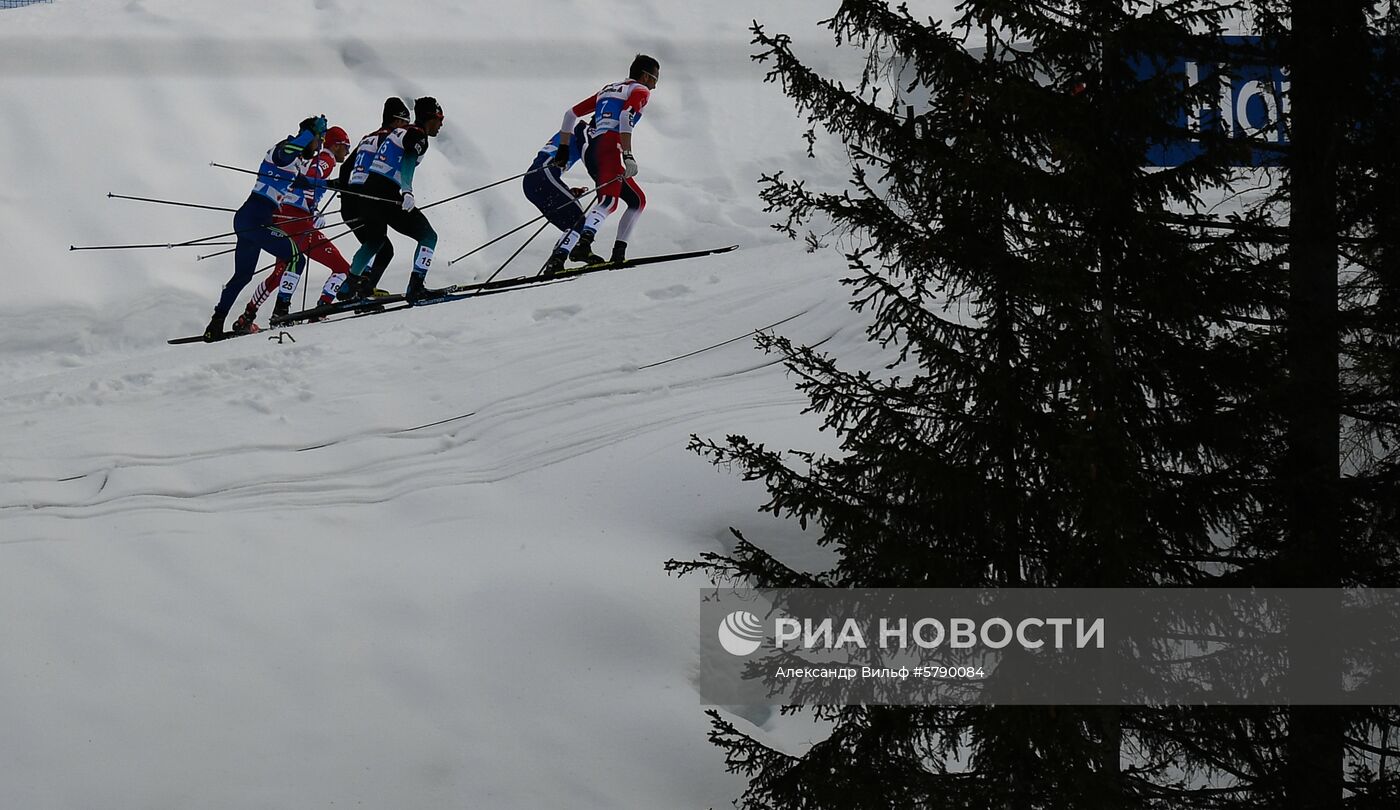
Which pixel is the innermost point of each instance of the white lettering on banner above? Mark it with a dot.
(1092, 633)
(1234, 110)
(837, 673)
(823, 635)
(1003, 626)
(1059, 625)
(919, 637)
(962, 634)
(1025, 640)
(899, 632)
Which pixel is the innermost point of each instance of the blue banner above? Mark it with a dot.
(1249, 103)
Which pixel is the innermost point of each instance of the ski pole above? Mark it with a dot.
(351, 229)
(480, 248)
(225, 252)
(287, 174)
(383, 199)
(206, 241)
(513, 255)
(324, 204)
(481, 188)
(274, 226)
(200, 242)
(521, 227)
(112, 196)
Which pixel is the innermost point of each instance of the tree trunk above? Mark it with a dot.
(1313, 776)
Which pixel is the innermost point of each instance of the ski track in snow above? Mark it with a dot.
(581, 405)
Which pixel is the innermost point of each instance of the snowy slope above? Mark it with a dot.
(412, 560)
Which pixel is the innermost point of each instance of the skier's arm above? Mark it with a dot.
(636, 102)
(415, 145)
(342, 179)
(566, 129)
(322, 166)
(307, 141)
(286, 152)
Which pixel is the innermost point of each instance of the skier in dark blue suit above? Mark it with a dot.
(253, 220)
(545, 187)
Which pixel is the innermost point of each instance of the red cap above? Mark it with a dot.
(336, 135)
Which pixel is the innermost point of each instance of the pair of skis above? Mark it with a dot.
(390, 303)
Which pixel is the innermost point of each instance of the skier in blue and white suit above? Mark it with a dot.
(253, 221)
(544, 186)
(388, 176)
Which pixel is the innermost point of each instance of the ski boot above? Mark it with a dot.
(215, 330)
(245, 324)
(281, 309)
(583, 251)
(350, 289)
(418, 292)
(371, 289)
(555, 265)
(363, 291)
(619, 254)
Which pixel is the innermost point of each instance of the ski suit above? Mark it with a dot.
(616, 109)
(296, 217)
(253, 220)
(545, 188)
(388, 175)
(352, 207)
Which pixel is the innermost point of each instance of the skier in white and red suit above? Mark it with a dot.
(616, 110)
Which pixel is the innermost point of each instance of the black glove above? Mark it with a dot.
(560, 160)
(301, 182)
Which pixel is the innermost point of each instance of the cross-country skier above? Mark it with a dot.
(389, 176)
(297, 217)
(616, 110)
(395, 115)
(544, 186)
(253, 219)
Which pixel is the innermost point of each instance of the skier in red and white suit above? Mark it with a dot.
(616, 110)
(297, 218)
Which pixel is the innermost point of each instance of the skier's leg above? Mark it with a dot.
(547, 192)
(373, 234)
(414, 225)
(316, 246)
(636, 202)
(250, 221)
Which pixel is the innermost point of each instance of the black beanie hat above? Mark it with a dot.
(394, 108)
